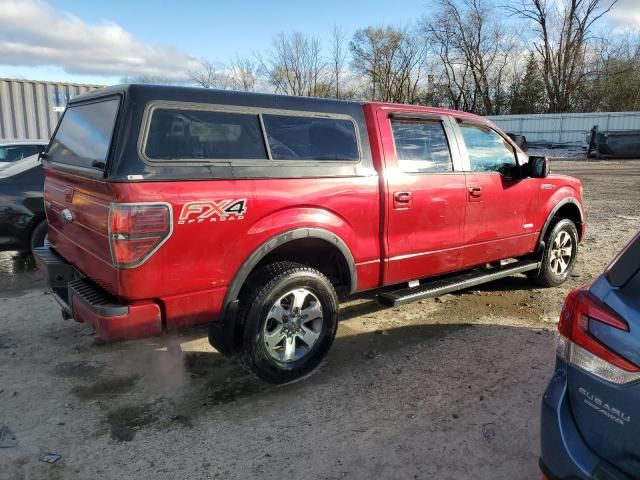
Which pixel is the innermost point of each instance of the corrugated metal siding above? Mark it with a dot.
(31, 109)
(565, 127)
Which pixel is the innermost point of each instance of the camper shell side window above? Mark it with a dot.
(182, 134)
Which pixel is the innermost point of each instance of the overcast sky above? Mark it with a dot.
(101, 42)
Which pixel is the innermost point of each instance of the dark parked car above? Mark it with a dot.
(14, 150)
(23, 224)
(591, 408)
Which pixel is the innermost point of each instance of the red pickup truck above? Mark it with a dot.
(255, 213)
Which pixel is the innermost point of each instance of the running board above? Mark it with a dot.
(435, 288)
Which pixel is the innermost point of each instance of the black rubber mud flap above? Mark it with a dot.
(224, 333)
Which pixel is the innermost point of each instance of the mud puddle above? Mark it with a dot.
(18, 272)
(124, 422)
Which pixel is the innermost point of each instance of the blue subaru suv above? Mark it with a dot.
(591, 408)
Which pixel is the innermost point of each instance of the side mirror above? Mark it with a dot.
(538, 167)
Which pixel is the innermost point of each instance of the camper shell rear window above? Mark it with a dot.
(188, 134)
(83, 137)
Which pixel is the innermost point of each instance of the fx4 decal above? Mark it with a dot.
(202, 211)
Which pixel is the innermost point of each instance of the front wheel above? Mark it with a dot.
(560, 253)
(289, 315)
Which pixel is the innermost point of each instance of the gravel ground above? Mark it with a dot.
(447, 388)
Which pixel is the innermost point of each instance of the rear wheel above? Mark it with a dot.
(38, 235)
(289, 315)
(560, 253)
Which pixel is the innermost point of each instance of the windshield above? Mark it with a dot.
(20, 166)
(13, 153)
(84, 135)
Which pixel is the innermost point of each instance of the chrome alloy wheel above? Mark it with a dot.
(561, 253)
(293, 325)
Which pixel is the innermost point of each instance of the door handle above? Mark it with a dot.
(402, 199)
(475, 192)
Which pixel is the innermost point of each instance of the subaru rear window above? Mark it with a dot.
(84, 135)
(179, 134)
(293, 137)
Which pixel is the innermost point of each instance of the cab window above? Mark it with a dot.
(488, 151)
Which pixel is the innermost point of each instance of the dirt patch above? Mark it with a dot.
(79, 368)
(105, 387)
(124, 422)
(234, 390)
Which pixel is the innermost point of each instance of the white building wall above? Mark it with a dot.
(563, 128)
(31, 109)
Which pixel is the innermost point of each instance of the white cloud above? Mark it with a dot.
(33, 33)
(626, 14)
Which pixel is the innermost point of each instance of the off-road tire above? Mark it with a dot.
(256, 299)
(546, 276)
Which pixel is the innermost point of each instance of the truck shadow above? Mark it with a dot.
(210, 381)
(206, 382)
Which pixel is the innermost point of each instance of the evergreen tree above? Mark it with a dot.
(528, 91)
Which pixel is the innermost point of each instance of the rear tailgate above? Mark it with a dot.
(78, 214)
(76, 195)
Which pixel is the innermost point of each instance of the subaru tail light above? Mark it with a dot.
(136, 231)
(576, 345)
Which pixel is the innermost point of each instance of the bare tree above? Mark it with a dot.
(562, 30)
(242, 74)
(295, 65)
(338, 61)
(456, 79)
(208, 75)
(475, 48)
(392, 59)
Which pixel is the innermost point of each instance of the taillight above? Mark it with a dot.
(137, 230)
(576, 345)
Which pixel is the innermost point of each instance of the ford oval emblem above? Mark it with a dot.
(67, 216)
(68, 194)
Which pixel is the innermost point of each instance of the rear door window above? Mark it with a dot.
(178, 134)
(84, 135)
(293, 137)
(421, 146)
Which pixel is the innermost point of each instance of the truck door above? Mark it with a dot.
(501, 203)
(425, 195)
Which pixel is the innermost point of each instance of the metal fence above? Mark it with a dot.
(31, 109)
(565, 128)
